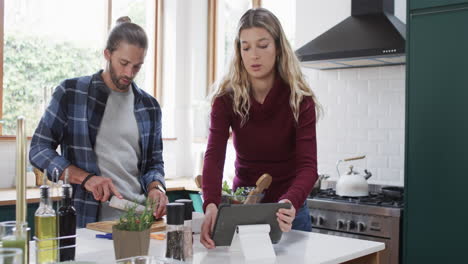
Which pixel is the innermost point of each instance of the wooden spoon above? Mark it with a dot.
(262, 183)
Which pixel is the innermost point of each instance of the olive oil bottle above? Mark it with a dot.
(45, 221)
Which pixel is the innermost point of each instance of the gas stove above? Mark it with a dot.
(375, 217)
(374, 199)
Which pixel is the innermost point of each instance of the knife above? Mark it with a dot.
(124, 205)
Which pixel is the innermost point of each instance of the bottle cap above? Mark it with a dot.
(188, 208)
(175, 213)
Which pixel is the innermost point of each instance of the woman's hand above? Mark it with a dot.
(286, 216)
(208, 225)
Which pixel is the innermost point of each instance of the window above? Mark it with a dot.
(47, 41)
(285, 11)
(223, 25)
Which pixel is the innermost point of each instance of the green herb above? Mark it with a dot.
(226, 189)
(239, 191)
(133, 221)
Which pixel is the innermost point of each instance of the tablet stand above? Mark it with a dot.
(253, 241)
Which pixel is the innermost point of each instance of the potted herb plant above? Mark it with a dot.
(131, 234)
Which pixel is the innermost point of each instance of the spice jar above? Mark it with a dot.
(175, 231)
(188, 235)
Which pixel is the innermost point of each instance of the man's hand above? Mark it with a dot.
(286, 216)
(208, 224)
(159, 200)
(102, 188)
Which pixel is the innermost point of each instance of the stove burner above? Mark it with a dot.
(375, 199)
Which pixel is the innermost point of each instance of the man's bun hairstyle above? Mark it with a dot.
(125, 30)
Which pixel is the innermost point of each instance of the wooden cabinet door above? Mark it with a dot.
(418, 4)
(436, 165)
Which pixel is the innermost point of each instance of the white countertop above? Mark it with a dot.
(295, 247)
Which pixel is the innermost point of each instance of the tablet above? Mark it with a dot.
(231, 215)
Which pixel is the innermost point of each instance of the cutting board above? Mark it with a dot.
(106, 226)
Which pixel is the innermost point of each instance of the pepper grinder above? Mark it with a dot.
(188, 235)
(175, 231)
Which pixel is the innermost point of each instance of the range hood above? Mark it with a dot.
(371, 36)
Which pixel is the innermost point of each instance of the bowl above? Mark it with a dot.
(240, 199)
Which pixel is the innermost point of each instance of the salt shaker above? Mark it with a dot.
(175, 231)
(188, 235)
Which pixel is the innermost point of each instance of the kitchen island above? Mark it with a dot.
(295, 247)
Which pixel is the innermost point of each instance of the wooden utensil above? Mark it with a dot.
(262, 183)
(198, 181)
(106, 226)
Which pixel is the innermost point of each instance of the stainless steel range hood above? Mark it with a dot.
(371, 36)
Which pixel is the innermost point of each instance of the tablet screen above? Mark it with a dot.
(231, 215)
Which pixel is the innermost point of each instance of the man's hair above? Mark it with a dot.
(128, 32)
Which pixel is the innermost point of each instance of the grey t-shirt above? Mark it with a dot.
(118, 151)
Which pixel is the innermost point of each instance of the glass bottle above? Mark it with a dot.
(175, 231)
(67, 222)
(188, 234)
(45, 222)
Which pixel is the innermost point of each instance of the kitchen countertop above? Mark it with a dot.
(8, 196)
(295, 247)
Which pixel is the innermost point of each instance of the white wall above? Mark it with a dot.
(364, 107)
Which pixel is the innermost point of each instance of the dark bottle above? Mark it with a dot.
(67, 222)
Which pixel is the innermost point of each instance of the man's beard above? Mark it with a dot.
(115, 79)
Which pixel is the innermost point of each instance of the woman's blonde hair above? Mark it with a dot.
(236, 81)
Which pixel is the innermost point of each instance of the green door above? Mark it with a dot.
(436, 169)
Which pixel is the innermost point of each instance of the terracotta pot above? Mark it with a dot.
(130, 243)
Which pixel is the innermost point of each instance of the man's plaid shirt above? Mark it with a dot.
(72, 121)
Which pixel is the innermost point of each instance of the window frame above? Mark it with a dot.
(157, 80)
(212, 36)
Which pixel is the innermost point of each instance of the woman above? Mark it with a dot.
(271, 111)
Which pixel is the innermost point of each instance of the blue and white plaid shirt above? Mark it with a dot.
(72, 121)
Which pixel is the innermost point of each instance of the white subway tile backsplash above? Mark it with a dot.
(377, 135)
(348, 74)
(397, 85)
(347, 149)
(347, 124)
(356, 111)
(311, 74)
(378, 110)
(389, 149)
(328, 75)
(378, 85)
(390, 123)
(356, 135)
(336, 87)
(347, 98)
(396, 135)
(367, 123)
(396, 162)
(369, 73)
(357, 86)
(375, 162)
(389, 98)
(391, 72)
(389, 175)
(367, 147)
(397, 111)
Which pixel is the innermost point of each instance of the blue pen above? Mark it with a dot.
(106, 236)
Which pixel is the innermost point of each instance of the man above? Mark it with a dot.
(109, 131)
